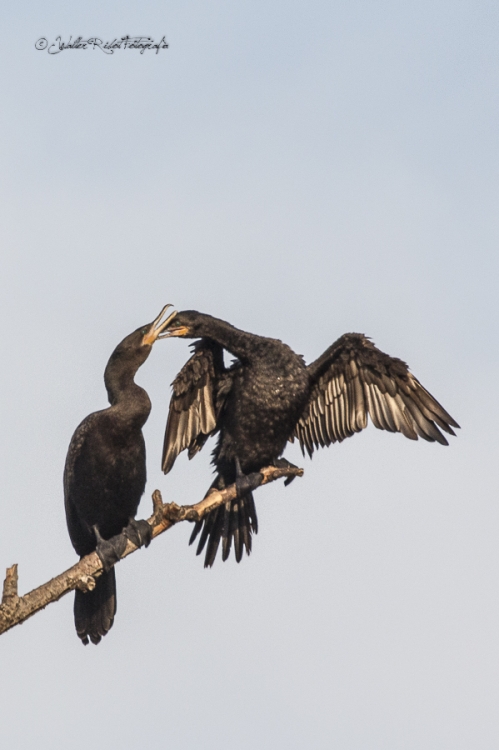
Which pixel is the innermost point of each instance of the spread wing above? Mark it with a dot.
(354, 379)
(199, 392)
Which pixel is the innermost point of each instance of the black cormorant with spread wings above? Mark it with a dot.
(269, 396)
(105, 477)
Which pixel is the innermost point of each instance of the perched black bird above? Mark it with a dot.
(105, 477)
(269, 396)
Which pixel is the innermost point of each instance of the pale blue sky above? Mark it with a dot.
(302, 170)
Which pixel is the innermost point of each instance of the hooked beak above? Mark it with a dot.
(157, 327)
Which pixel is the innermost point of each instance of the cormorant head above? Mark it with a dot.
(188, 324)
(137, 345)
(131, 353)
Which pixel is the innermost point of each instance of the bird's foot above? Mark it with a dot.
(246, 483)
(109, 550)
(283, 463)
(139, 532)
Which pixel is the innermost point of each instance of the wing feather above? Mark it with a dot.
(196, 402)
(353, 380)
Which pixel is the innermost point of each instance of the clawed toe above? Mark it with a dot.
(109, 550)
(246, 483)
(139, 532)
(283, 463)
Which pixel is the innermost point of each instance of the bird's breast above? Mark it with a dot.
(264, 407)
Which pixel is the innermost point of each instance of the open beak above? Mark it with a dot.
(158, 326)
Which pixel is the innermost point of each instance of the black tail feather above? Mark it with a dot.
(215, 536)
(252, 513)
(94, 611)
(235, 520)
(208, 522)
(247, 526)
(244, 531)
(227, 530)
(197, 528)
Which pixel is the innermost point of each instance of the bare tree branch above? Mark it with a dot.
(15, 609)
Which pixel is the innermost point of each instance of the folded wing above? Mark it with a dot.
(354, 379)
(199, 391)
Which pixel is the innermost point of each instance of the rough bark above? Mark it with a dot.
(15, 609)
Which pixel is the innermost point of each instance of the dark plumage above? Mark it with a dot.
(269, 396)
(105, 473)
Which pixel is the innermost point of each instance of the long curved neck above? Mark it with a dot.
(243, 345)
(125, 396)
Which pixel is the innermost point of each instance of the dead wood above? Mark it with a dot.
(15, 609)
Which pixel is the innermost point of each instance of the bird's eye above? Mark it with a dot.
(143, 331)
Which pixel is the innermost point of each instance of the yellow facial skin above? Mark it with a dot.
(157, 327)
